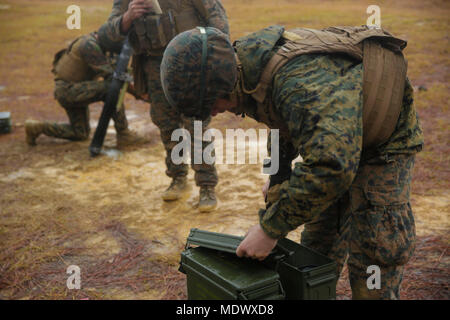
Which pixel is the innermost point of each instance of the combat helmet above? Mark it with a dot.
(198, 67)
(106, 43)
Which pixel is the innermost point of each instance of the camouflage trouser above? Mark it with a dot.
(168, 119)
(75, 99)
(372, 224)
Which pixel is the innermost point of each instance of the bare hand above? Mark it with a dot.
(136, 9)
(256, 245)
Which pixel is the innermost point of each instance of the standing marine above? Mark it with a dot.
(83, 72)
(340, 98)
(150, 26)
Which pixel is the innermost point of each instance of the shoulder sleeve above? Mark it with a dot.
(93, 55)
(215, 14)
(115, 20)
(325, 123)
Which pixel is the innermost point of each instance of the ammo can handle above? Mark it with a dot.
(281, 252)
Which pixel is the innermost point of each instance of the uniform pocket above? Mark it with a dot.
(385, 227)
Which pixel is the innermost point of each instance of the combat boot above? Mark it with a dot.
(176, 189)
(128, 137)
(33, 129)
(207, 201)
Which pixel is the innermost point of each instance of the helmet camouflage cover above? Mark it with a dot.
(198, 67)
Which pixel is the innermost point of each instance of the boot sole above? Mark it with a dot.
(208, 208)
(170, 198)
(174, 197)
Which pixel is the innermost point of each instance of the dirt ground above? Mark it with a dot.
(59, 207)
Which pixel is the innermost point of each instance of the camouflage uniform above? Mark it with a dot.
(75, 97)
(163, 115)
(354, 202)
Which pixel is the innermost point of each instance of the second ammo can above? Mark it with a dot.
(306, 274)
(292, 271)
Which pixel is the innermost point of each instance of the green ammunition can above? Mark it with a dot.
(5, 122)
(214, 272)
(215, 275)
(292, 271)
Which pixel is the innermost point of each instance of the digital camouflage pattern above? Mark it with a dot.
(75, 97)
(168, 119)
(87, 56)
(354, 203)
(260, 45)
(92, 53)
(371, 224)
(216, 16)
(320, 98)
(163, 115)
(106, 43)
(180, 81)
